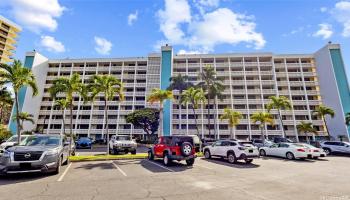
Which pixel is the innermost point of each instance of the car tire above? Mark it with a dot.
(231, 158)
(190, 162)
(166, 159)
(327, 151)
(262, 152)
(290, 156)
(207, 154)
(315, 158)
(73, 153)
(58, 168)
(150, 155)
(186, 149)
(133, 152)
(248, 161)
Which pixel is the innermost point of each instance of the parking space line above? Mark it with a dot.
(161, 166)
(118, 168)
(64, 173)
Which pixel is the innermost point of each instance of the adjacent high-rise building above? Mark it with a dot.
(307, 80)
(8, 38)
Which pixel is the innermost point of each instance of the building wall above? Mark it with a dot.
(329, 89)
(8, 37)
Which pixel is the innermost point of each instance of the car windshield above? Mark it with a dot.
(14, 138)
(124, 137)
(41, 141)
(84, 139)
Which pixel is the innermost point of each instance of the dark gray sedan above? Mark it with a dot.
(37, 153)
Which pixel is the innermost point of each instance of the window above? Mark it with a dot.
(218, 143)
(225, 143)
(233, 144)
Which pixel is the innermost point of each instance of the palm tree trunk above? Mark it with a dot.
(208, 115)
(17, 119)
(325, 124)
(262, 127)
(180, 108)
(307, 138)
(231, 132)
(71, 127)
(64, 124)
(1, 110)
(106, 125)
(282, 126)
(160, 131)
(215, 120)
(195, 119)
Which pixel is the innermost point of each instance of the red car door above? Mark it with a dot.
(159, 147)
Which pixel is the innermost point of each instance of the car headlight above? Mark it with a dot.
(6, 154)
(51, 152)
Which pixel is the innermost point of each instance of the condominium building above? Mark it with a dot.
(8, 36)
(308, 80)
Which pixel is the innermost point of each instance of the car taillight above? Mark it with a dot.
(301, 150)
(316, 150)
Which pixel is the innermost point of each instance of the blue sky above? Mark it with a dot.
(107, 28)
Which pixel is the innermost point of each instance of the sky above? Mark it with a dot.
(125, 28)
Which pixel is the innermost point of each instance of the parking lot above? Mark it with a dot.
(266, 178)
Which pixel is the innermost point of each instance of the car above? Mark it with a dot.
(37, 153)
(12, 141)
(315, 152)
(100, 141)
(171, 148)
(122, 143)
(259, 143)
(83, 143)
(290, 151)
(197, 142)
(232, 150)
(335, 147)
(281, 139)
(207, 141)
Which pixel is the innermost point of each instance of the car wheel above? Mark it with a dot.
(315, 158)
(150, 155)
(58, 168)
(73, 153)
(262, 152)
(207, 154)
(133, 152)
(186, 149)
(327, 151)
(290, 156)
(231, 158)
(248, 161)
(190, 162)
(166, 159)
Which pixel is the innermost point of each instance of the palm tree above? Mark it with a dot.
(22, 117)
(262, 118)
(6, 103)
(209, 83)
(62, 104)
(18, 77)
(179, 83)
(193, 96)
(306, 127)
(215, 92)
(233, 118)
(160, 96)
(347, 119)
(109, 86)
(69, 87)
(322, 111)
(279, 103)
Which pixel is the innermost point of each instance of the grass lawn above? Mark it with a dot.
(112, 157)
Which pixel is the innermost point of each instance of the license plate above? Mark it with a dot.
(25, 165)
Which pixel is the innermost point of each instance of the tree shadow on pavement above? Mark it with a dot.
(239, 164)
(99, 165)
(157, 166)
(20, 178)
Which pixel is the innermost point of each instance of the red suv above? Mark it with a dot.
(173, 148)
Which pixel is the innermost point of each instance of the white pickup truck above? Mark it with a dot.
(122, 143)
(232, 150)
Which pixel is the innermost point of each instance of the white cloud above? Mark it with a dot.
(103, 46)
(183, 51)
(132, 18)
(51, 44)
(176, 12)
(341, 12)
(208, 3)
(323, 9)
(220, 26)
(325, 31)
(37, 15)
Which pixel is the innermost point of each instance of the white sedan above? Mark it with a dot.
(290, 151)
(315, 152)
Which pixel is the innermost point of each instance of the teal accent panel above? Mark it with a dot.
(342, 81)
(28, 63)
(164, 84)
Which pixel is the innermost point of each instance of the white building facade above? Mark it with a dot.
(308, 80)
